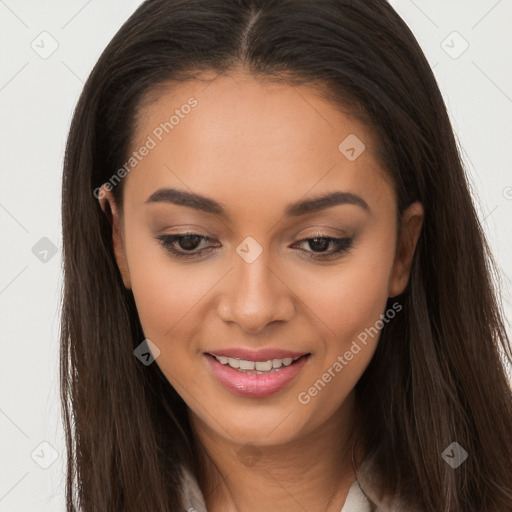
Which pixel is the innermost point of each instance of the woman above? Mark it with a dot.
(277, 291)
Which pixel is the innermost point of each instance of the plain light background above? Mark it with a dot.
(467, 42)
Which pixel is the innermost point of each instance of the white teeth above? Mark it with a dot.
(234, 363)
(264, 366)
(260, 366)
(246, 365)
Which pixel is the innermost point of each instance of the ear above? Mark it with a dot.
(412, 221)
(109, 207)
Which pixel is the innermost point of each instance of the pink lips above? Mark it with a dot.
(252, 384)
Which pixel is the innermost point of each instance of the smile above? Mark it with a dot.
(257, 367)
(255, 379)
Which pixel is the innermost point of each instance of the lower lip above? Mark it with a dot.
(252, 384)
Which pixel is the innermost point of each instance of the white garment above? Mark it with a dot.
(193, 500)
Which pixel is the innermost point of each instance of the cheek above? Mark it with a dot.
(349, 297)
(165, 294)
(168, 300)
(349, 304)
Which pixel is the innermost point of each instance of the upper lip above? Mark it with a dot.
(256, 355)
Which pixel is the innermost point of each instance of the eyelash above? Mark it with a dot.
(167, 241)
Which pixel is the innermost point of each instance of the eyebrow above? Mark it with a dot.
(208, 205)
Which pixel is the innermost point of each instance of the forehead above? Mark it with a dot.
(243, 133)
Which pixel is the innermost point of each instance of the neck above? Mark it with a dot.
(311, 472)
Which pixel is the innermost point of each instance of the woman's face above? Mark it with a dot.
(240, 164)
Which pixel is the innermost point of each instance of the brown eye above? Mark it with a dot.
(184, 245)
(189, 242)
(319, 246)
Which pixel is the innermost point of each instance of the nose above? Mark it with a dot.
(256, 295)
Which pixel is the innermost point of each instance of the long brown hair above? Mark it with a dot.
(437, 375)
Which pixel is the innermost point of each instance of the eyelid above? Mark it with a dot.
(324, 233)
